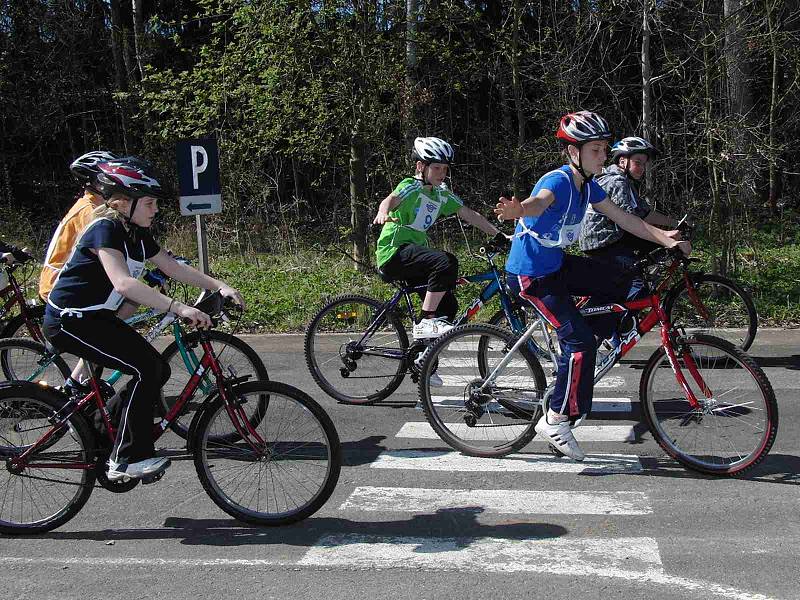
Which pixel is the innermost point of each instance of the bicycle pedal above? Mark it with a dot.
(153, 477)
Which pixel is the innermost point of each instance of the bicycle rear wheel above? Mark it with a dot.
(721, 308)
(35, 498)
(350, 366)
(26, 360)
(491, 422)
(19, 327)
(286, 478)
(237, 359)
(736, 423)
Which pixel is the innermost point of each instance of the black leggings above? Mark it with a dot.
(420, 265)
(102, 338)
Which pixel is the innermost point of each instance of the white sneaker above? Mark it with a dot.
(430, 328)
(137, 470)
(560, 435)
(435, 381)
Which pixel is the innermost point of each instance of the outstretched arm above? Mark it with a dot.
(477, 220)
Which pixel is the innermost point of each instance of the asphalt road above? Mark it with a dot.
(412, 519)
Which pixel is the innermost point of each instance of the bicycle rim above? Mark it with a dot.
(40, 499)
(490, 422)
(729, 311)
(26, 360)
(289, 478)
(735, 425)
(346, 364)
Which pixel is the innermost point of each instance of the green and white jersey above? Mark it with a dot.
(418, 210)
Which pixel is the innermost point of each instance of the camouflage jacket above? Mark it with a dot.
(597, 230)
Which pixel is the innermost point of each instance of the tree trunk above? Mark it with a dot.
(138, 35)
(358, 204)
(519, 100)
(118, 55)
(647, 108)
(774, 174)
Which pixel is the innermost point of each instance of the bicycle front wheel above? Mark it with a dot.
(285, 472)
(26, 360)
(735, 424)
(41, 496)
(235, 356)
(474, 417)
(355, 354)
(717, 306)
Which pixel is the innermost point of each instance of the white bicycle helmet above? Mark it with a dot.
(632, 145)
(432, 150)
(583, 126)
(84, 168)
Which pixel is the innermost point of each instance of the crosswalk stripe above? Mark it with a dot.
(424, 500)
(446, 460)
(584, 433)
(472, 362)
(491, 554)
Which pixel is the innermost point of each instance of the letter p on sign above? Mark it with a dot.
(199, 164)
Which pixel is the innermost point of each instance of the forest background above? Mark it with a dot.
(315, 103)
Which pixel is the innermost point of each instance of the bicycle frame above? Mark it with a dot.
(495, 285)
(655, 317)
(208, 362)
(12, 294)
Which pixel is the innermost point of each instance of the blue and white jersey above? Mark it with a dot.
(83, 284)
(537, 248)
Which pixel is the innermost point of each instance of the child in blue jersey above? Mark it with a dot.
(545, 276)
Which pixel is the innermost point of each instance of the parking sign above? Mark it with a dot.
(198, 177)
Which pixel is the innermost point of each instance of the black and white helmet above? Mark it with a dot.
(632, 145)
(84, 168)
(432, 150)
(583, 126)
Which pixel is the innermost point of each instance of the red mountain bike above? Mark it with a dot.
(707, 404)
(275, 462)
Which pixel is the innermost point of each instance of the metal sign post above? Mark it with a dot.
(198, 179)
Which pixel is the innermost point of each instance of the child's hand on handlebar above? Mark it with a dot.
(196, 317)
(683, 246)
(229, 292)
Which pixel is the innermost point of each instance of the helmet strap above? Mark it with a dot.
(579, 165)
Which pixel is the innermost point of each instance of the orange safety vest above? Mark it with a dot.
(64, 238)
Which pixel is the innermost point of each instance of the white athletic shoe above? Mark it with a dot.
(430, 328)
(435, 381)
(560, 435)
(137, 470)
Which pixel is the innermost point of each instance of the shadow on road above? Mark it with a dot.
(228, 532)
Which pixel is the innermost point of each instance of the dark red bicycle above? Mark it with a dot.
(265, 452)
(18, 316)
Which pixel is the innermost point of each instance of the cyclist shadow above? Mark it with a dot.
(444, 530)
(775, 468)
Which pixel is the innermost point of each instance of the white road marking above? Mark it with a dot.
(539, 502)
(585, 433)
(460, 381)
(448, 460)
(598, 404)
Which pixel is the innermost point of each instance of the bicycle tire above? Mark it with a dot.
(306, 429)
(247, 363)
(675, 424)
(23, 359)
(17, 326)
(20, 513)
(328, 371)
(747, 317)
(505, 430)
